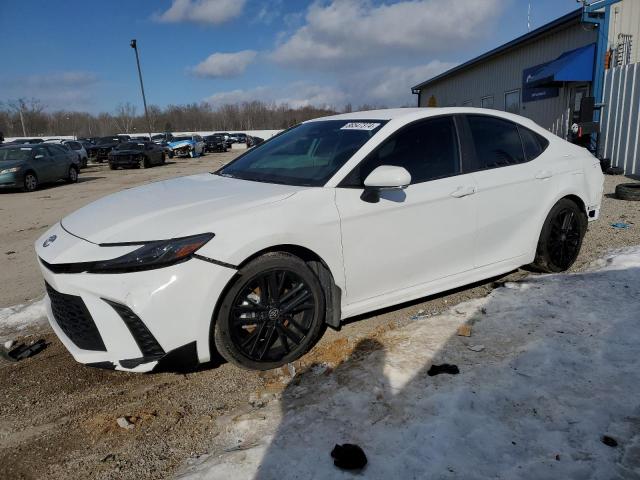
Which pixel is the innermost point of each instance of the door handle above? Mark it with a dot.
(463, 191)
(544, 174)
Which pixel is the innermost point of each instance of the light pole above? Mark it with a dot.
(134, 45)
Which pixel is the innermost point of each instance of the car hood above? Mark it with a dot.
(105, 145)
(126, 152)
(171, 208)
(11, 164)
(180, 143)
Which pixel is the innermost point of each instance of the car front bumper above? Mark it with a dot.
(11, 180)
(124, 161)
(131, 321)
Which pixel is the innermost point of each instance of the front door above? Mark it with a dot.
(411, 236)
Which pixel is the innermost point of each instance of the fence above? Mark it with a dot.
(620, 118)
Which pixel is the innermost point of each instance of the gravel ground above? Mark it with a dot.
(58, 418)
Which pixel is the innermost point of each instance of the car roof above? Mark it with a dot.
(406, 115)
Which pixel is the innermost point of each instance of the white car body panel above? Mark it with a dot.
(425, 239)
(408, 238)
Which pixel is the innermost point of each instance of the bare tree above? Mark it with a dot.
(124, 117)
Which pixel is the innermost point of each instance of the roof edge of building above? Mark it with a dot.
(558, 22)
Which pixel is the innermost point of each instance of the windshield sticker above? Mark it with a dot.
(360, 126)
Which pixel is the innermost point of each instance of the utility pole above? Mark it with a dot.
(134, 45)
(24, 130)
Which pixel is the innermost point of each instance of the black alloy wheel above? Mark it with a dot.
(561, 237)
(564, 238)
(272, 315)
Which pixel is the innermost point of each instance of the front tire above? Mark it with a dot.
(272, 315)
(561, 237)
(30, 183)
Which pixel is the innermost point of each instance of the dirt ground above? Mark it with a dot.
(58, 418)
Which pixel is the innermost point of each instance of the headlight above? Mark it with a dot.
(10, 170)
(154, 255)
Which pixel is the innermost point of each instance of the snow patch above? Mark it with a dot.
(22, 316)
(559, 369)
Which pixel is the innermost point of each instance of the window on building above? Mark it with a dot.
(486, 102)
(512, 101)
(427, 149)
(533, 143)
(497, 142)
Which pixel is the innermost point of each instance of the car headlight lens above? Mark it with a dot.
(10, 170)
(154, 255)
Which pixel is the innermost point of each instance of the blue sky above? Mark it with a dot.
(75, 54)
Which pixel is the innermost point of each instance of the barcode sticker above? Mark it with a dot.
(360, 126)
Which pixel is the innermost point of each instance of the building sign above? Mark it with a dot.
(532, 94)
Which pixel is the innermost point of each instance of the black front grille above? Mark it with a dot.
(74, 319)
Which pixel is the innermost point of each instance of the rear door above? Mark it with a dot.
(510, 187)
(60, 160)
(412, 236)
(44, 164)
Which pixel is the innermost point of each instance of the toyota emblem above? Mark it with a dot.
(49, 240)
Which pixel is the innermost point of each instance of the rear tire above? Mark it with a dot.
(561, 237)
(272, 315)
(72, 175)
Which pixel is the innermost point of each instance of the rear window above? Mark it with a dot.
(497, 142)
(533, 143)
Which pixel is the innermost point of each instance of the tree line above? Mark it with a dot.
(30, 117)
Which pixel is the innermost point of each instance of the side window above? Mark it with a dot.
(428, 150)
(52, 150)
(533, 143)
(40, 151)
(497, 142)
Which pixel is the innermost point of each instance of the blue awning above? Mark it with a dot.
(572, 66)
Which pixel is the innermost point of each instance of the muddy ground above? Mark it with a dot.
(58, 418)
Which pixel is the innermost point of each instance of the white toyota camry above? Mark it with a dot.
(332, 218)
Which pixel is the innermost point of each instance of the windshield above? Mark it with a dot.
(104, 140)
(14, 154)
(130, 146)
(306, 155)
(181, 139)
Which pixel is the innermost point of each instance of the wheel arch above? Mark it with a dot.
(333, 293)
(568, 195)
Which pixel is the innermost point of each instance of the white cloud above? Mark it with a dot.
(56, 90)
(202, 11)
(382, 86)
(225, 64)
(296, 95)
(350, 32)
(390, 86)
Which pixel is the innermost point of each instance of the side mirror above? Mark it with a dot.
(384, 177)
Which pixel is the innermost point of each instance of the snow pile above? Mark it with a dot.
(22, 316)
(559, 370)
